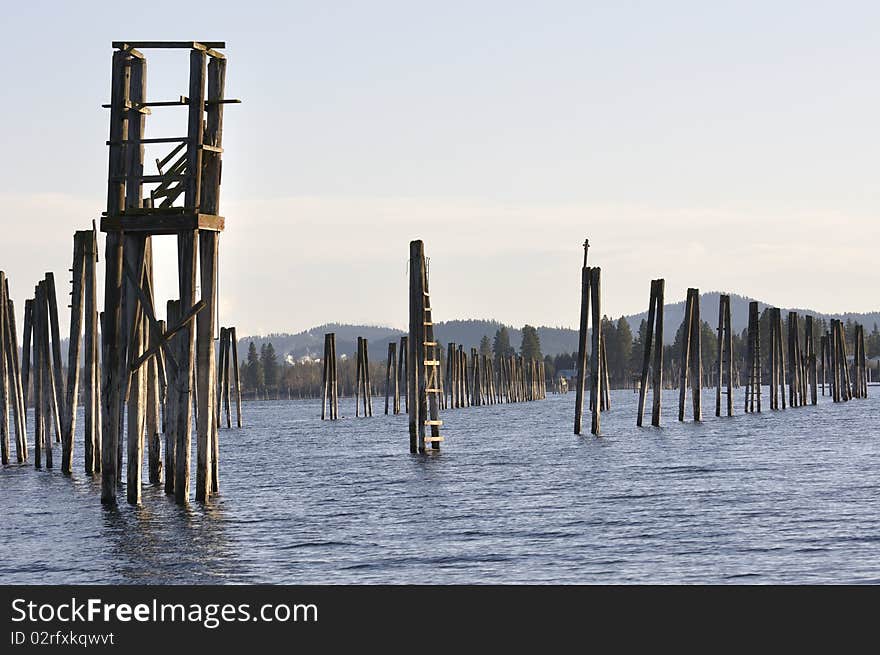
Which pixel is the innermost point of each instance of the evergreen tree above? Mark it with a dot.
(253, 370)
(269, 364)
(485, 346)
(530, 348)
(501, 346)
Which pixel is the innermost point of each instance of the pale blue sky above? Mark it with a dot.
(721, 145)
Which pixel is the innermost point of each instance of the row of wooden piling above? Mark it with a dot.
(800, 377)
(479, 379)
(465, 380)
(152, 357)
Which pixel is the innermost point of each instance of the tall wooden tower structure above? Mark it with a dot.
(182, 198)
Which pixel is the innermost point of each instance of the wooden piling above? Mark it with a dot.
(4, 377)
(596, 358)
(21, 447)
(810, 356)
(55, 361)
(391, 377)
(91, 362)
(233, 338)
(68, 426)
(40, 439)
(325, 378)
(724, 364)
(415, 382)
(402, 365)
(646, 352)
(686, 334)
(657, 372)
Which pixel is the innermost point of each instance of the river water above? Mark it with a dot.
(514, 497)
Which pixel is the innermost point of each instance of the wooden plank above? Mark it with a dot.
(145, 45)
(168, 334)
(162, 223)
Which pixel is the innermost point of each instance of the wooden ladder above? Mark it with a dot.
(431, 365)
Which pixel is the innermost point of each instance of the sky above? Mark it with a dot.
(726, 146)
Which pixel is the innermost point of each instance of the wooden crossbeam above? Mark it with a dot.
(147, 307)
(191, 45)
(164, 338)
(183, 102)
(169, 157)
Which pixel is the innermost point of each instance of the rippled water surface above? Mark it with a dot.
(788, 496)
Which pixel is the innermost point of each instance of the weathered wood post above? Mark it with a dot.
(68, 425)
(646, 351)
(596, 357)
(724, 365)
(402, 361)
(846, 385)
(391, 376)
(21, 448)
(334, 380)
(465, 378)
(91, 372)
(396, 381)
(751, 357)
(686, 335)
(358, 377)
(233, 339)
(606, 384)
(423, 387)
(27, 349)
(325, 378)
(810, 356)
(774, 361)
(368, 385)
(777, 319)
(40, 438)
(4, 377)
(794, 385)
(170, 422)
(696, 352)
(657, 374)
(451, 386)
(154, 402)
(55, 361)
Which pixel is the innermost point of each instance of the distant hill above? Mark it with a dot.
(554, 340)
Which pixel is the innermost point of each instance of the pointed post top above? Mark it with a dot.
(586, 248)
